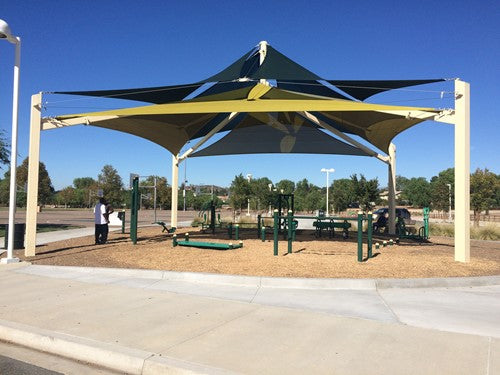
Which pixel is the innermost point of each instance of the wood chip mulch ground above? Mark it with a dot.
(311, 257)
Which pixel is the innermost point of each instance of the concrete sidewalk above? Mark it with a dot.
(61, 235)
(148, 322)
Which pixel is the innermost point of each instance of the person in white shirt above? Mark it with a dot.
(101, 222)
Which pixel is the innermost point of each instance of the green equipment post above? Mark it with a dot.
(360, 236)
(276, 229)
(133, 210)
(258, 225)
(369, 234)
(290, 230)
(426, 222)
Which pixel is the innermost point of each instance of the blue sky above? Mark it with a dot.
(86, 45)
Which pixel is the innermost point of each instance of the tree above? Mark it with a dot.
(261, 194)
(85, 190)
(5, 188)
(4, 149)
(417, 192)
(484, 186)
(163, 192)
(302, 190)
(401, 183)
(240, 192)
(111, 184)
(45, 188)
(84, 182)
(342, 194)
(285, 187)
(440, 192)
(314, 199)
(66, 196)
(367, 192)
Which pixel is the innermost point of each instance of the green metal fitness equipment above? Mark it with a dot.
(165, 228)
(134, 213)
(290, 232)
(205, 245)
(285, 203)
(215, 221)
(134, 208)
(423, 232)
(329, 225)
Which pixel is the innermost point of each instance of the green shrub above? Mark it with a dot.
(489, 232)
(446, 230)
(197, 222)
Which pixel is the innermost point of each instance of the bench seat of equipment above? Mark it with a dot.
(210, 245)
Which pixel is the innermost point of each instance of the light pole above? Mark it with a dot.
(449, 202)
(327, 183)
(5, 33)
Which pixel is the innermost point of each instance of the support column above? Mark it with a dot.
(33, 171)
(175, 190)
(462, 171)
(392, 188)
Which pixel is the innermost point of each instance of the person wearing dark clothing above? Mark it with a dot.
(101, 222)
(380, 223)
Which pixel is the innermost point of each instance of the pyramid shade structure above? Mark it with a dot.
(264, 102)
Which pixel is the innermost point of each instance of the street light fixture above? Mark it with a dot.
(6, 34)
(327, 184)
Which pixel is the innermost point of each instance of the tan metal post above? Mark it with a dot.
(33, 171)
(462, 171)
(175, 190)
(392, 188)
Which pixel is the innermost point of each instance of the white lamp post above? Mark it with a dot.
(5, 33)
(449, 202)
(327, 183)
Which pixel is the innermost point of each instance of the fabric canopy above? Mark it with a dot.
(285, 118)
(276, 137)
(247, 70)
(172, 125)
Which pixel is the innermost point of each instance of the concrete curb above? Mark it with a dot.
(114, 357)
(282, 282)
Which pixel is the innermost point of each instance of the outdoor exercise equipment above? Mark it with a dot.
(214, 221)
(285, 203)
(164, 227)
(236, 227)
(289, 218)
(205, 245)
(121, 216)
(423, 232)
(329, 224)
(134, 207)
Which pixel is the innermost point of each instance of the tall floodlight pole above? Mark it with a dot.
(449, 202)
(5, 33)
(327, 183)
